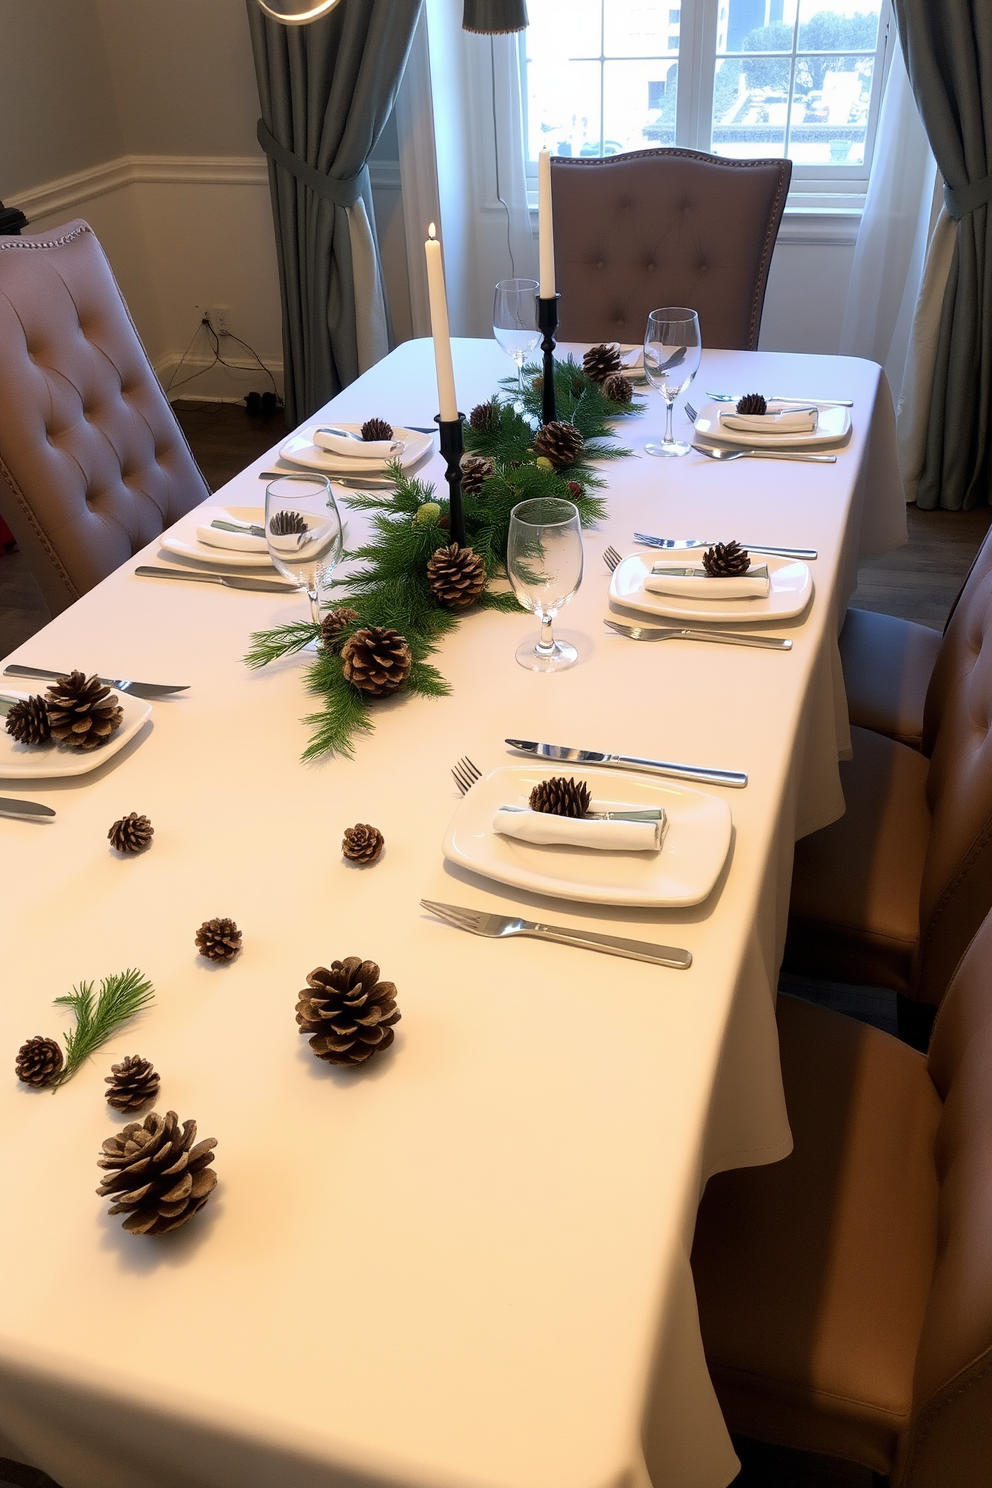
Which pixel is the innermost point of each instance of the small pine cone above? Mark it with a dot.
(286, 523)
(156, 1175)
(334, 623)
(560, 797)
(600, 361)
(376, 661)
(537, 383)
(726, 561)
(28, 723)
(82, 712)
(132, 1083)
(618, 389)
(560, 443)
(349, 1012)
(39, 1061)
(475, 470)
(484, 417)
(574, 488)
(363, 843)
(457, 576)
(376, 428)
(131, 834)
(218, 940)
(752, 403)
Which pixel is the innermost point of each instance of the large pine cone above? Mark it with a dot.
(348, 1010)
(753, 403)
(726, 561)
(560, 797)
(132, 833)
(376, 428)
(376, 661)
(82, 712)
(334, 623)
(39, 1061)
(157, 1177)
(476, 469)
(132, 1083)
(456, 575)
(287, 523)
(218, 940)
(560, 443)
(600, 361)
(484, 417)
(618, 389)
(362, 843)
(28, 721)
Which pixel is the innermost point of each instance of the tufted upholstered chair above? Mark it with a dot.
(845, 1294)
(665, 227)
(92, 462)
(892, 893)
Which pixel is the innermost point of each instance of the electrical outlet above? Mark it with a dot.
(216, 316)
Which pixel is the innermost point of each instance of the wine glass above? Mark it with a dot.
(672, 348)
(515, 321)
(544, 564)
(304, 532)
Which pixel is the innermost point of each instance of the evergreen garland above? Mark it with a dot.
(390, 587)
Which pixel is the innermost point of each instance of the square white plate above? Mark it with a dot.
(683, 872)
(790, 593)
(300, 449)
(184, 542)
(50, 761)
(833, 426)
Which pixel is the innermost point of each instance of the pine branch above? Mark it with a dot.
(119, 998)
(283, 640)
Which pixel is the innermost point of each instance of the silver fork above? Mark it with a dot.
(498, 927)
(466, 774)
(612, 558)
(720, 637)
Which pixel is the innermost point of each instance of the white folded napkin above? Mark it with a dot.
(216, 537)
(357, 449)
(632, 358)
(695, 583)
(610, 836)
(781, 418)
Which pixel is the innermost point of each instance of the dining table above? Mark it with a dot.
(466, 1263)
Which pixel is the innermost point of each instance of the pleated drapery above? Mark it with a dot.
(948, 52)
(326, 90)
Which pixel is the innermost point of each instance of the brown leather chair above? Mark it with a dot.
(892, 893)
(845, 1294)
(92, 462)
(665, 227)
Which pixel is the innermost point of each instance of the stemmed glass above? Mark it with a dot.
(515, 321)
(672, 348)
(544, 562)
(304, 531)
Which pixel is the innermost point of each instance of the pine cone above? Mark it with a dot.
(362, 843)
(28, 722)
(484, 417)
(475, 470)
(560, 797)
(376, 660)
(456, 575)
(377, 428)
(82, 712)
(334, 623)
(39, 1061)
(574, 489)
(286, 523)
(600, 361)
(752, 403)
(132, 1083)
(157, 1177)
(131, 834)
(618, 389)
(218, 940)
(726, 561)
(560, 443)
(349, 1011)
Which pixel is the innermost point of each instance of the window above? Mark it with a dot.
(742, 78)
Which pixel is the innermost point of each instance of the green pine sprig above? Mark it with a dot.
(119, 998)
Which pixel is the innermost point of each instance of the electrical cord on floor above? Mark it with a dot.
(218, 360)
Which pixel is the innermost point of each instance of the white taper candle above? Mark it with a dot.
(447, 401)
(545, 226)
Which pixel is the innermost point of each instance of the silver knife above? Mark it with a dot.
(816, 402)
(702, 542)
(11, 806)
(631, 816)
(498, 927)
(735, 778)
(120, 684)
(230, 581)
(247, 529)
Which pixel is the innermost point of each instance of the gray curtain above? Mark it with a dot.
(326, 91)
(948, 49)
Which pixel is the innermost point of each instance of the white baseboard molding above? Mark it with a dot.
(213, 383)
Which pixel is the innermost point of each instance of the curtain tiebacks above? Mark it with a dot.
(964, 199)
(341, 193)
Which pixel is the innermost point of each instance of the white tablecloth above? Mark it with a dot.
(466, 1264)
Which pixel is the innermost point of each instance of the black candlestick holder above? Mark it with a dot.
(547, 323)
(452, 448)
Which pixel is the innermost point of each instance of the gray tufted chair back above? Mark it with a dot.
(665, 227)
(92, 462)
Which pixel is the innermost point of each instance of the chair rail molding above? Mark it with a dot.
(69, 192)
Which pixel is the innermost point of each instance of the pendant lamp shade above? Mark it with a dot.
(296, 12)
(494, 17)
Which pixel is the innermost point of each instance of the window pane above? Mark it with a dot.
(838, 25)
(751, 106)
(563, 111)
(756, 25)
(639, 104)
(640, 28)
